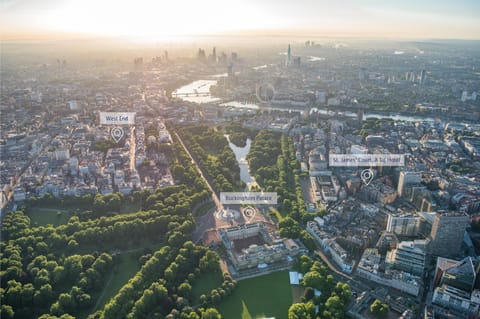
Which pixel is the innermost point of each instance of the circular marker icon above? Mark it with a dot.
(265, 92)
(117, 133)
(367, 176)
(249, 213)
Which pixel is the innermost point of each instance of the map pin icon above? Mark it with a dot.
(117, 133)
(367, 176)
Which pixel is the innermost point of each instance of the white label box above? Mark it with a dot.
(255, 198)
(117, 118)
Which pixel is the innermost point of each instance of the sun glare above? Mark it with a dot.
(143, 18)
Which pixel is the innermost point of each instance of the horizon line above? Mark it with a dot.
(278, 33)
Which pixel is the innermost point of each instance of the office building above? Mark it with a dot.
(369, 267)
(461, 304)
(289, 56)
(409, 256)
(447, 233)
(138, 64)
(408, 178)
(358, 149)
(459, 274)
(362, 74)
(297, 61)
(403, 224)
(454, 283)
(423, 77)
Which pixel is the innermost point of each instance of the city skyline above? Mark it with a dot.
(143, 19)
(192, 177)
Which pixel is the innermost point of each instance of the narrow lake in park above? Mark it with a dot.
(241, 156)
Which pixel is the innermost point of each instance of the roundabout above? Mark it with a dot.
(227, 214)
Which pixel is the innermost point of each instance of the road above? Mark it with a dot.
(340, 276)
(208, 221)
(133, 147)
(215, 198)
(357, 285)
(325, 259)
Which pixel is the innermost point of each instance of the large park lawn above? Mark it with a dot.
(205, 284)
(123, 271)
(265, 296)
(45, 216)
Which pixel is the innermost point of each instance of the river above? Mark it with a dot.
(199, 92)
(396, 117)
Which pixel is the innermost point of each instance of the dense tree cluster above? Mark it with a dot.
(38, 278)
(262, 159)
(42, 272)
(218, 294)
(333, 298)
(379, 309)
(182, 168)
(74, 202)
(238, 134)
(302, 311)
(272, 161)
(210, 149)
(107, 203)
(167, 205)
(44, 259)
(58, 272)
(163, 287)
(238, 138)
(373, 125)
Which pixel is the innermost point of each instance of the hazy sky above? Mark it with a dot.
(164, 19)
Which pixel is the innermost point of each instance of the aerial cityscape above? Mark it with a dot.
(239, 160)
